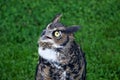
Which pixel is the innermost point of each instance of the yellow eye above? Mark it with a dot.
(57, 34)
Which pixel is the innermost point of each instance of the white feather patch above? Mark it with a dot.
(63, 76)
(48, 54)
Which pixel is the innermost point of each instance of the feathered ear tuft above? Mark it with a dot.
(71, 29)
(57, 18)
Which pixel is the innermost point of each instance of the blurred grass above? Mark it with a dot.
(21, 22)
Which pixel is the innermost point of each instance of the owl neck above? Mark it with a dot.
(55, 54)
(65, 60)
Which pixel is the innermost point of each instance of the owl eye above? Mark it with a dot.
(57, 34)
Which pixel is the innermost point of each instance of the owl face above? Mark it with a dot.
(56, 35)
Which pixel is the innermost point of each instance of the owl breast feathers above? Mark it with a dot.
(60, 58)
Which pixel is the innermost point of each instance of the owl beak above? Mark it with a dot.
(45, 37)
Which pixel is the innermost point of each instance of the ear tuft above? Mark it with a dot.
(57, 18)
(71, 29)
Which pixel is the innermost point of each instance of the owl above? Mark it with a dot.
(60, 57)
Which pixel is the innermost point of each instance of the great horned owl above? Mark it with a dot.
(60, 57)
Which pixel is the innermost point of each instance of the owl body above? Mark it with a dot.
(60, 57)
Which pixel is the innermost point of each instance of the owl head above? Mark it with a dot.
(56, 35)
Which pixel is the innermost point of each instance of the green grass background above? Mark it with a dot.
(21, 22)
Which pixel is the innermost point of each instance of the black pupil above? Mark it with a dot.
(56, 32)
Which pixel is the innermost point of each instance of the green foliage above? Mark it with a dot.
(21, 22)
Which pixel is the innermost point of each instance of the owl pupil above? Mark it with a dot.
(57, 34)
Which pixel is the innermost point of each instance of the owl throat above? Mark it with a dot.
(50, 53)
